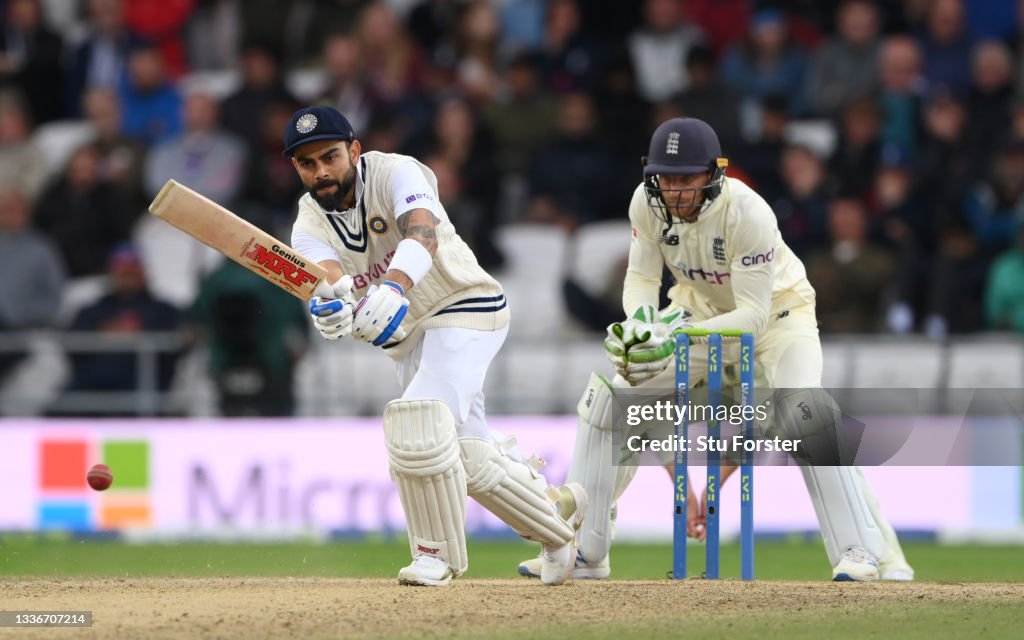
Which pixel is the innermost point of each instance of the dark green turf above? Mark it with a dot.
(53, 557)
(924, 621)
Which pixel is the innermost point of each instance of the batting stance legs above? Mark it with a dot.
(441, 450)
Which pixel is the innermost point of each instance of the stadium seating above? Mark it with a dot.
(58, 140)
(532, 278)
(594, 253)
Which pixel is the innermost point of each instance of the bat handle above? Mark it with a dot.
(340, 289)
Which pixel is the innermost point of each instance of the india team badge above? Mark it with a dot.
(378, 225)
(306, 123)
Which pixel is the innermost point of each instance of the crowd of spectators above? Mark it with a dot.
(906, 203)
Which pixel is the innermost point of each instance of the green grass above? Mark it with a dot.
(911, 615)
(55, 556)
(925, 621)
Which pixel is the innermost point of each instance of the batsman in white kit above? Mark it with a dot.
(404, 281)
(732, 270)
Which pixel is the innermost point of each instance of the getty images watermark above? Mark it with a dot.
(865, 427)
(667, 411)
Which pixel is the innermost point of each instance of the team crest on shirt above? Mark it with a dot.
(718, 250)
(378, 225)
(306, 123)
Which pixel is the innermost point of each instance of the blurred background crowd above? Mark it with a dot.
(887, 135)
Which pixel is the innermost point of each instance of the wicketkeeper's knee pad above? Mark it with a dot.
(426, 463)
(597, 403)
(811, 416)
(513, 491)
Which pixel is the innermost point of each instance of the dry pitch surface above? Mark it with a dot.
(348, 608)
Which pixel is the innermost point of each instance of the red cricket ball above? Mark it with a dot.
(100, 477)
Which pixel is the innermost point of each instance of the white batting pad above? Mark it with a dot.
(893, 551)
(843, 512)
(593, 466)
(423, 450)
(624, 474)
(514, 492)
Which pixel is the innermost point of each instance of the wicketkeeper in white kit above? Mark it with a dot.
(732, 270)
(406, 282)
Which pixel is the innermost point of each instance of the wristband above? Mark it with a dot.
(394, 285)
(412, 259)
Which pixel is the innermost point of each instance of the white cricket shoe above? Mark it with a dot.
(591, 570)
(896, 572)
(426, 571)
(556, 563)
(582, 570)
(572, 503)
(530, 568)
(856, 565)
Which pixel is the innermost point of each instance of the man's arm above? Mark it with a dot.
(418, 225)
(379, 315)
(640, 297)
(642, 285)
(334, 270)
(752, 290)
(330, 310)
(316, 249)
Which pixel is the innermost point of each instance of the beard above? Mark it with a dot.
(333, 201)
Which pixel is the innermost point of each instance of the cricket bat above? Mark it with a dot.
(219, 229)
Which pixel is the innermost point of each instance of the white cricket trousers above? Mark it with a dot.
(450, 364)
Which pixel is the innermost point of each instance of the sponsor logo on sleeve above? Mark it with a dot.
(418, 196)
(758, 258)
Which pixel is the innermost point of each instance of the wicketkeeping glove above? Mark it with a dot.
(623, 335)
(332, 316)
(653, 348)
(379, 314)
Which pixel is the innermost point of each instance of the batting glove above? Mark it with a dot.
(332, 316)
(379, 314)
